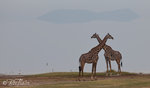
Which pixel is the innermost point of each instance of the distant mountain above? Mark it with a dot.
(81, 16)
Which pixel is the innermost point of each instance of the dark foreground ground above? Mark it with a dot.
(70, 80)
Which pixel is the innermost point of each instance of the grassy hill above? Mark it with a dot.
(75, 74)
(70, 80)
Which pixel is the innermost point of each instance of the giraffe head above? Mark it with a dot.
(94, 35)
(109, 36)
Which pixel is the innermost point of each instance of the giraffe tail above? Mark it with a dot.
(79, 65)
(121, 60)
(121, 64)
(79, 68)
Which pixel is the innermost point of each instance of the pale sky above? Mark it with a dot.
(28, 43)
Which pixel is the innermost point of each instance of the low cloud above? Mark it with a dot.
(82, 16)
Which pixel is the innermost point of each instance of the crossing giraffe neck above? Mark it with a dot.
(106, 47)
(102, 44)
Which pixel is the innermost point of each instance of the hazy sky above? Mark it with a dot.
(27, 43)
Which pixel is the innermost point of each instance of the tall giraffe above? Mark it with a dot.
(110, 54)
(92, 57)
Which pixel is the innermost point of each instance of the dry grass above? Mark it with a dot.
(69, 80)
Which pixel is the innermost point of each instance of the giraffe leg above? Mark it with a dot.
(110, 67)
(92, 71)
(107, 66)
(82, 68)
(118, 63)
(95, 71)
(119, 68)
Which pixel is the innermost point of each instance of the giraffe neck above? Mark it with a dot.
(98, 39)
(106, 47)
(101, 45)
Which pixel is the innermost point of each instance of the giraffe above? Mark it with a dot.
(110, 54)
(92, 57)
